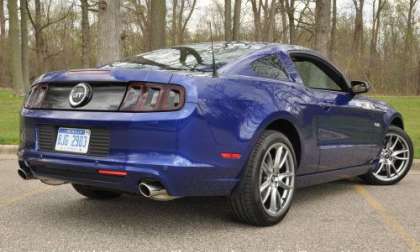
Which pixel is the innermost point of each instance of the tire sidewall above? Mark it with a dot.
(267, 141)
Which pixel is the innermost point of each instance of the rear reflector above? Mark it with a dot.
(112, 173)
(229, 155)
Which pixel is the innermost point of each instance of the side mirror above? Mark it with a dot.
(359, 87)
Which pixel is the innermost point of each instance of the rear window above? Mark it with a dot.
(196, 57)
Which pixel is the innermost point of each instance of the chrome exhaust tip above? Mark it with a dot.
(155, 191)
(23, 174)
(53, 182)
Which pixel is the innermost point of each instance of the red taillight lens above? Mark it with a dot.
(36, 96)
(147, 97)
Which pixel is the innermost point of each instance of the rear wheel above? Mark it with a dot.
(265, 192)
(94, 192)
(395, 159)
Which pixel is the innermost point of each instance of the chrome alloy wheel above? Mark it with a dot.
(394, 158)
(277, 179)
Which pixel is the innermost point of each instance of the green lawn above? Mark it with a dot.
(10, 106)
(9, 117)
(409, 107)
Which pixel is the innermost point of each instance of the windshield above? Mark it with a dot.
(196, 57)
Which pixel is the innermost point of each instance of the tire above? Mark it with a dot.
(95, 193)
(384, 173)
(251, 203)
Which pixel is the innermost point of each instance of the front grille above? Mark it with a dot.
(98, 146)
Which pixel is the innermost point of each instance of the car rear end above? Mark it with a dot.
(131, 126)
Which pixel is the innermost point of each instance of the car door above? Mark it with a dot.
(345, 130)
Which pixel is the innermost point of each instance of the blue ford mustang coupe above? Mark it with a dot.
(251, 121)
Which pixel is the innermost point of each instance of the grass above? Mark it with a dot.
(409, 107)
(10, 105)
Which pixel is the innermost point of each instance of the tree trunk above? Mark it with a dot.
(40, 48)
(109, 31)
(322, 25)
(158, 24)
(24, 38)
(236, 20)
(290, 8)
(2, 21)
(283, 20)
(358, 28)
(174, 21)
(333, 30)
(228, 20)
(256, 10)
(15, 63)
(85, 34)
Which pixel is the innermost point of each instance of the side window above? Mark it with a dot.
(269, 67)
(314, 76)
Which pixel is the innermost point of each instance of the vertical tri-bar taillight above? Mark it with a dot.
(36, 96)
(150, 97)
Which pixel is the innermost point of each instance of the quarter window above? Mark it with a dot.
(269, 67)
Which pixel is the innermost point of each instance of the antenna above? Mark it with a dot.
(212, 52)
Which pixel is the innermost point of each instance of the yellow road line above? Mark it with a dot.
(388, 218)
(13, 200)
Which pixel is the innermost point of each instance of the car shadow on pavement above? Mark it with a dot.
(150, 217)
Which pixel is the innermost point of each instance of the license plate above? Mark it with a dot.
(73, 140)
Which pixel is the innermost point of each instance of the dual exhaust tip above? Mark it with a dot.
(151, 190)
(155, 191)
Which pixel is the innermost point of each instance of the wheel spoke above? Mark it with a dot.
(273, 200)
(388, 170)
(277, 158)
(397, 153)
(401, 158)
(284, 159)
(266, 169)
(395, 144)
(380, 168)
(285, 175)
(267, 194)
(393, 168)
(265, 185)
(285, 186)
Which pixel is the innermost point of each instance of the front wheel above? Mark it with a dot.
(265, 192)
(395, 159)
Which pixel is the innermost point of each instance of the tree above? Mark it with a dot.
(333, 30)
(179, 21)
(24, 42)
(109, 31)
(378, 6)
(358, 28)
(228, 20)
(409, 30)
(158, 24)
(15, 49)
(290, 9)
(85, 33)
(41, 21)
(264, 30)
(236, 20)
(322, 25)
(2, 21)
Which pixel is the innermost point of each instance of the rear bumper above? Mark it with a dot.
(179, 176)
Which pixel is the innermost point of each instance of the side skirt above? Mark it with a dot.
(328, 176)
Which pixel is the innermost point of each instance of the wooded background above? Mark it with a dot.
(374, 40)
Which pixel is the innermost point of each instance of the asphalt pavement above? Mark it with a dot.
(340, 216)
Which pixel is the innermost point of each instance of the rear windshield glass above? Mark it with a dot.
(196, 57)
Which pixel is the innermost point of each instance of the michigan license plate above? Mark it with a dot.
(73, 140)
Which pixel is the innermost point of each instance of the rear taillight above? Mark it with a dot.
(36, 96)
(148, 97)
